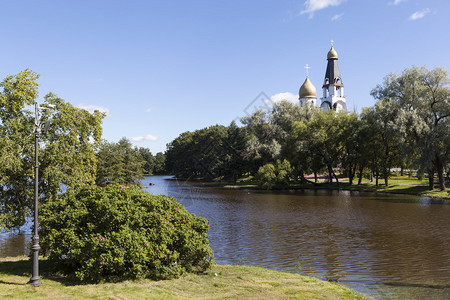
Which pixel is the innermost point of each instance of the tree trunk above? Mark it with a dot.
(315, 176)
(302, 177)
(386, 177)
(401, 171)
(351, 175)
(440, 172)
(337, 180)
(330, 174)
(431, 180)
(360, 175)
(376, 177)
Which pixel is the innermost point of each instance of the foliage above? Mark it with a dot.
(119, 163)
(66, 152)
(149, 160)
(160, 164)
(118, 233)
(209, 153)
(420, 99)
(277, 175)
(406, 128)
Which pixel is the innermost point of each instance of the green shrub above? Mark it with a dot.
(271, 175)
(116, 233)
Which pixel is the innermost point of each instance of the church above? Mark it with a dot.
(333, 88)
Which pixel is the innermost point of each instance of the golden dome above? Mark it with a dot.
(307, 90)
(332, 54)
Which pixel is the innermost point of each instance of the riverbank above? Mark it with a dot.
(223, 282)
(397, 185)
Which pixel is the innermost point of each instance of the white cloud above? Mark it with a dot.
(144, 138)
(419, 14)
(337, 17)
(397, 2)
(314, 5)
(284, 96)
(92, 108)
(148, 110)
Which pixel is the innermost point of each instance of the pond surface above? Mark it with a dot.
(386, 246)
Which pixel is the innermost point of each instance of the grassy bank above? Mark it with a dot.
(397, 184)
(223, 282)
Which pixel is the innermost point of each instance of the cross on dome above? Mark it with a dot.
(307, 67)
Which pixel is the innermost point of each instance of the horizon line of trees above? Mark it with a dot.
(407, 128)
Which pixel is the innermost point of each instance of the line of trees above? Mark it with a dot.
(122, 163)
(408, 127)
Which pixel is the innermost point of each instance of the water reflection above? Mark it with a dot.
(14, 244)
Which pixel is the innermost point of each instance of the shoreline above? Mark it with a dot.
(353, 188)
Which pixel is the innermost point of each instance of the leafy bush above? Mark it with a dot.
(271, 175)
(116, 233)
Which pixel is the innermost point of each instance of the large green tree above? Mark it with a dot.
(119, 163)
(422, 98)
(160, 164)
(210, 152)
(149, 159)
(67, 157)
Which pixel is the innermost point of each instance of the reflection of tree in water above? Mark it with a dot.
(13, 244)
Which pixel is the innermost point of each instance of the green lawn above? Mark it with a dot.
(223, 282)
(397, 184)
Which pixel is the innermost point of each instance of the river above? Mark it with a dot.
(385, 246)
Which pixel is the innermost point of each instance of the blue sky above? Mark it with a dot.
(160, 68)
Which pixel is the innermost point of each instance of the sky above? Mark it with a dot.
(160, 68)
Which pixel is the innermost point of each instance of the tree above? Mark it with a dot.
(119, 163)
(383, 139)
(208, 153)
(262, 146)
(66, 157)
(235, 144)
(323, 136)
(271, 175)
(349, 125)
(422, 97)
(268, 131)
(149, 159)
(180, 155)
(160, 164)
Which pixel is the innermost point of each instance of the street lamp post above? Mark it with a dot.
(35, 247)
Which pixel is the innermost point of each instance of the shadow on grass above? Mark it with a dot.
(24, 268)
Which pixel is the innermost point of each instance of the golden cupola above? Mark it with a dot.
(332, 54)
(307, 90)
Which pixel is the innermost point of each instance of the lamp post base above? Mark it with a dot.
(34, 281)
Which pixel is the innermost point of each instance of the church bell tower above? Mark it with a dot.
(333, 88)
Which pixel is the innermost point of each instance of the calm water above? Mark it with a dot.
(383, 246)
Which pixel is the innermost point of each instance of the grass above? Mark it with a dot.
(397, 184)
(223, 282)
